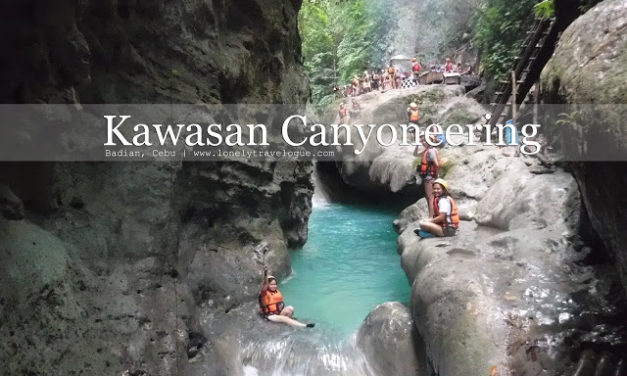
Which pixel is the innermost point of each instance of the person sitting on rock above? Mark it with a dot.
(445, 219)
(428, 168)
(271, 304)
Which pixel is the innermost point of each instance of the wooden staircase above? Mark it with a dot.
(535, 52)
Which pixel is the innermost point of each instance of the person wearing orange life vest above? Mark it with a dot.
(413, 115)
(271, 305)
(428, 168)
(445, 219)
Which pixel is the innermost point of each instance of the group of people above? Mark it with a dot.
(384, 79)
(443, 216)
(391, 77)
(381, 80)
(443, 220)
(345, 113)
(450, 67)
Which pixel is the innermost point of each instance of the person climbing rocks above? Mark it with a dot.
(413, 114)
(355, 109)
(343, 113)
(448, 67)
(428, 168)
(445, 219)
(416, 67)
(271, 305)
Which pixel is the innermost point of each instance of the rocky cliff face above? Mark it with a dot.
(589, 68)
(517, 288)
(380, 169)
(113, 268)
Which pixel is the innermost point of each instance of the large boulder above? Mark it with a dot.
(390, 342)
(487, 298)
(504, 291)
(391, 168)
(589, 67)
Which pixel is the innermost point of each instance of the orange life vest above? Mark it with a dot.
(428, 168)
(453, 217)
(414, 116)
(271, 303)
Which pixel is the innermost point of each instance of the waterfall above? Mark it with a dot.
(304, 352)
(320, 196)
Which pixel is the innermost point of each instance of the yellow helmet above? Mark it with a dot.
(442, 182)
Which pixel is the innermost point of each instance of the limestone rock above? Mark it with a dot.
(30, 259)
(392, 168)
(130, 258)
(520, 199)
(10, 205)
(388, 338)
(412, 213)
(589, 67)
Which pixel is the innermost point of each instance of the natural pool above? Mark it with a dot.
(347, 267)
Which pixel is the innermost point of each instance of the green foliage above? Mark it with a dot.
(342, 39)
(545, 9)
(318, 48)
(499, 31)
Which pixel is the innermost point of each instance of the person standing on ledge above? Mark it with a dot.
(415, 68)
(448, 67)
(428, 168)
(445, 220)
(343, 114)
(271, 304)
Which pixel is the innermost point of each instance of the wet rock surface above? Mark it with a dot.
(514, 289)
(107, 265)
(589, 68)
(389, 339)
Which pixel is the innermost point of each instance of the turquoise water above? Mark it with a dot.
(347, 267)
